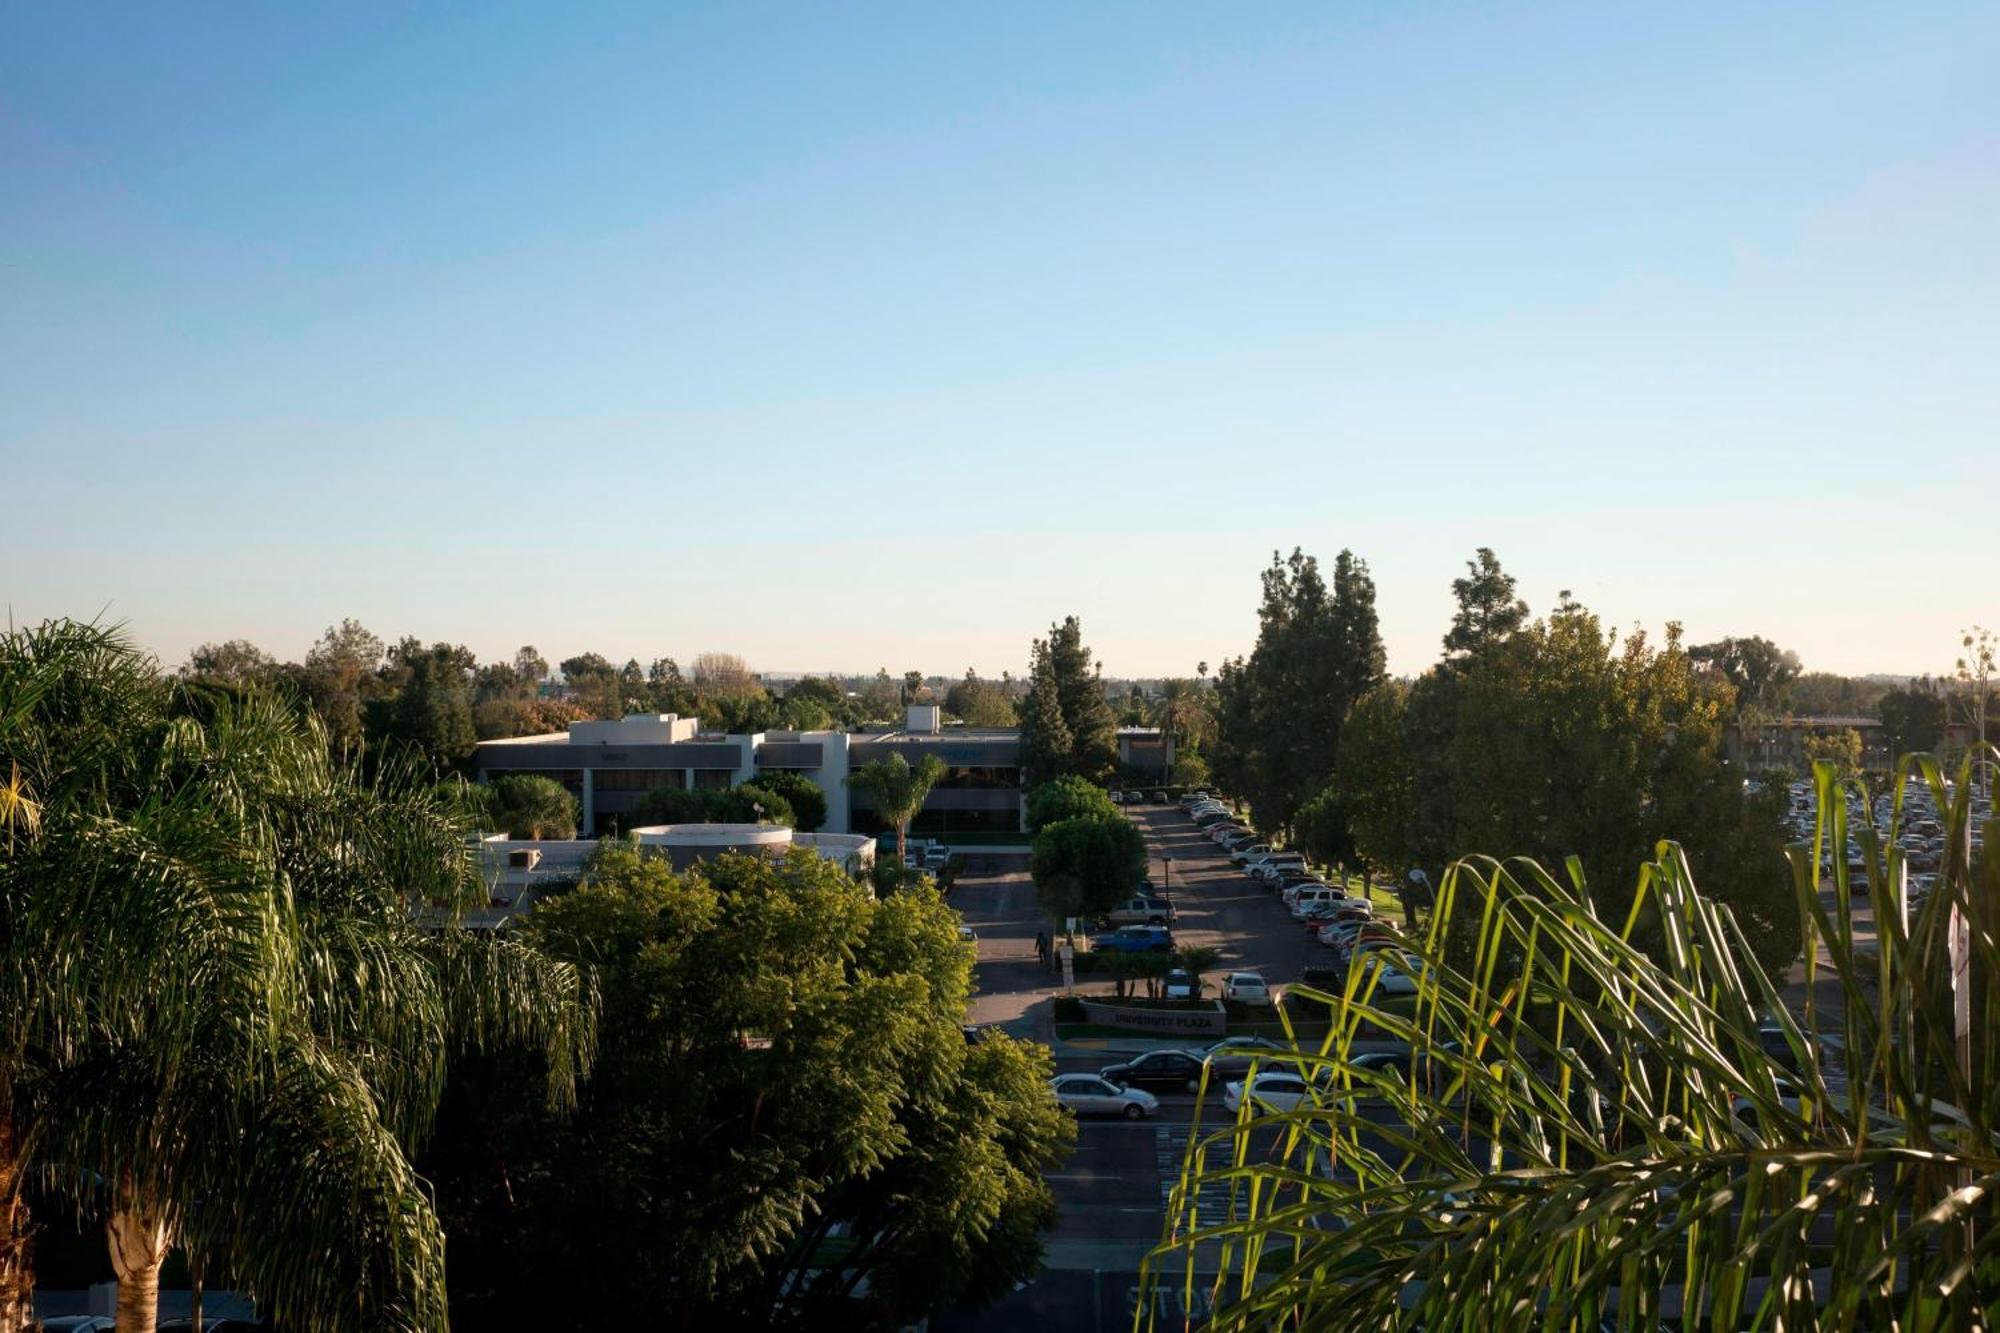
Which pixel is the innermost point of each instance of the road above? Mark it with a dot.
(1113, 1191)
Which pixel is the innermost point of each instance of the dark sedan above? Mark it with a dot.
(1168, 1071)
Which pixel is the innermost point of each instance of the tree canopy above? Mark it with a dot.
(1084, 866)
(1067, 725)
(1069, 797)
(785, 1110)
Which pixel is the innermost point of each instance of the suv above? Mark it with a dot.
(1243, 856)
(1134, 939)
(1141, 911)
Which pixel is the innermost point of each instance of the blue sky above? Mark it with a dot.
(854, 336)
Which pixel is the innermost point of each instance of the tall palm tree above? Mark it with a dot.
(899, 790)
(229, 980)
(1585, 1135)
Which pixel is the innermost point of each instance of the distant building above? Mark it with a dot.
(1145, 752)
(1781, 742)
(611, 765)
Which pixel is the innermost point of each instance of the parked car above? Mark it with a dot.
(1243, 856)
(1273, 1089)
(1141, 910)
(79, 1323)
(1207, 817)
(936, 858)
(1231, 1056)
(1134, 939)
(1247, 988)
(1309, 895)
(1088, 1094)
(1170, 1071)
(1180, 984)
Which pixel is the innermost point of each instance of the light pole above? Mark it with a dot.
(1166, 874)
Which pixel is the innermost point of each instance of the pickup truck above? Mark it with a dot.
(1140, 911)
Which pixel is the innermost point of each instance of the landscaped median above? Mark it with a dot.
(1170, 1018)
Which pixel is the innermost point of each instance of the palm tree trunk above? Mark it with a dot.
(902, 840)
(17, 1272)
(139, 1245)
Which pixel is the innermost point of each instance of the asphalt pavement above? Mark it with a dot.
(1113, 1191)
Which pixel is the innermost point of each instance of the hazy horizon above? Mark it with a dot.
(887, 338)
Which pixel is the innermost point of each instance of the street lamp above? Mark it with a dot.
(1166, 873)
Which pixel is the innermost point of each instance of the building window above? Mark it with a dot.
(714, 779)
(637, 779)
(980, 777)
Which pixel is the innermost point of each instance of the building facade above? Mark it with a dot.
(610, 766)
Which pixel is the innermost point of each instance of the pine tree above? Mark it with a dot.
(1045, 738)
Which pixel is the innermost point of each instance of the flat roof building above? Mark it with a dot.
(611, 765)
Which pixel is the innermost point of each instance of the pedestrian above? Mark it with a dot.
(1042, 947)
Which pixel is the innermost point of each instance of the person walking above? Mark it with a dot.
(1042, 948)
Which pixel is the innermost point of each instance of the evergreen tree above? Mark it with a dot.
(1045, 738)
(1488, 611)
(1093, 728)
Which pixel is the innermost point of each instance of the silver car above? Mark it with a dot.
(1087, 1094)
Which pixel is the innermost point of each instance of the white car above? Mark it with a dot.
(1247, 988)
(1256, 851)
(1087, 1094)
(1272, 1090)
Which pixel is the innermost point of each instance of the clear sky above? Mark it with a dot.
(867, 335)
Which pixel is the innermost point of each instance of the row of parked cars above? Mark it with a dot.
(1917, 830)
(1337, 919)
(1129, 1089)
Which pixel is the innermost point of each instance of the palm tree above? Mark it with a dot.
(229, 980)
(899, 790)
(1585, 1135)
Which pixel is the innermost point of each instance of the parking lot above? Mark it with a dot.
(1113, 1191)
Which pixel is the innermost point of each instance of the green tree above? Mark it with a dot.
(899, 791)
(432, 706)
(1841, 748)
(1489, 613)
(1760, 671)
(1197, 959)
(1913, 719)
(237, 664)
(979, 703)
(249, 1010)
(1320, 830)
(1093, 730)
(785, 1110)
(1083, 867)
(525, 805)
(592, 682)
(1045, 737)
(1070, 797)
(1376, 784)
(339, 676)
(670, 805)
(1687, 1138)
(749, 803)
(1281, 710)
(802, 794)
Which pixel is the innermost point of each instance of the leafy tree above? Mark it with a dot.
(1083, 867)
(1281, 710)
(1913, 719)
(784, 1111)
(525, 805)
(261, 1016)
(1376, 787)
(1841, 748)
(1758, 669)
(432, 706)
(979, 703)
(749, 803)
(724, 675)
(913, 687)
(670, 805)
(1320, 830)
(802, 794)
(739, 713)
(1067, 798)
(878, 700)
(899, 791)
(593, 685)
(339, 677)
